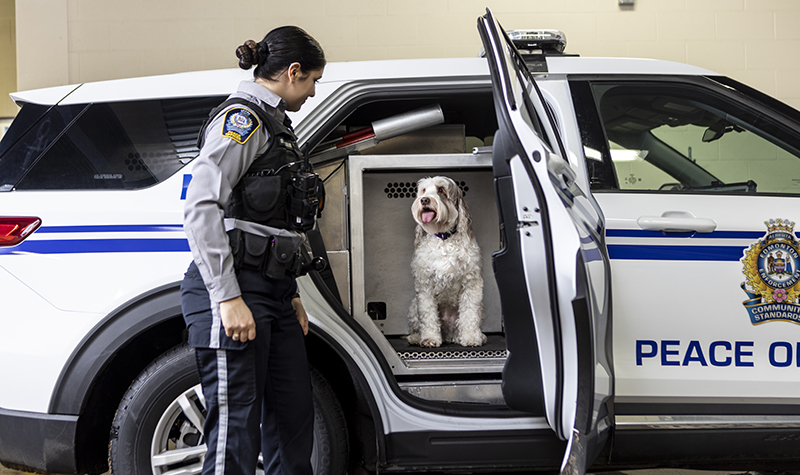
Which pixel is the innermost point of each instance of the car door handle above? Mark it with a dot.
(677, 221)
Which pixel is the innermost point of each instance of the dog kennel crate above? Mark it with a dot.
(371, 260)
(368, 231)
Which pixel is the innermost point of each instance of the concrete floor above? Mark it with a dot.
(8, 471)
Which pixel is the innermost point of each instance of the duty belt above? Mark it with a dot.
(272, 255)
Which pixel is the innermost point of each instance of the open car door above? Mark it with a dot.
(553, 271)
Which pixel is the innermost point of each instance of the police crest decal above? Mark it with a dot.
(772, 268)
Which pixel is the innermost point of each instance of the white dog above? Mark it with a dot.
(448, 305)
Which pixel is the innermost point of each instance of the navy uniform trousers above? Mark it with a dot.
(258, 393)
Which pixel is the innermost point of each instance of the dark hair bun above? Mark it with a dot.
(247, 54)
(278, 50)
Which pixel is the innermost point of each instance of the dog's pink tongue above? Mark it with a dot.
(427, 216)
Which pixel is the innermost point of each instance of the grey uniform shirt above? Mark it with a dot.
(218, 168)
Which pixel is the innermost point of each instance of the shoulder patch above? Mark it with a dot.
(239, 124)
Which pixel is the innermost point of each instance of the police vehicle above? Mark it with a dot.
(637, 223)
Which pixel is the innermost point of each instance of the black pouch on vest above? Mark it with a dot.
(260, 195)
(256, 248)
(282, 256)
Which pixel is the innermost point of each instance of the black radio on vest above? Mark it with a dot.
(306, 199)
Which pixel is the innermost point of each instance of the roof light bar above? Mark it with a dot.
(552, 41)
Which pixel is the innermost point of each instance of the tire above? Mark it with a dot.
(331, 443)
(158, 425)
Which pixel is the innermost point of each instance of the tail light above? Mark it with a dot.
(14, 230)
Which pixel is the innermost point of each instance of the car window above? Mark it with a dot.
(30, 133)
(122, 145)
(669, 137)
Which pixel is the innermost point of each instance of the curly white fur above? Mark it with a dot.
(448, 304)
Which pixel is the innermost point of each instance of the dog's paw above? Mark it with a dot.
(431, 342)
(430, 339)
(472, 339)
(428, 342)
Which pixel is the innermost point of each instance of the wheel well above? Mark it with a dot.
(109, 387)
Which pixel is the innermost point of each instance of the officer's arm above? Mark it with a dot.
(220, 165)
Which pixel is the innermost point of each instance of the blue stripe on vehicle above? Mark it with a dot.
(186, 179)
(92, 246)
(113, 228)
(676, 253)
(639, 233)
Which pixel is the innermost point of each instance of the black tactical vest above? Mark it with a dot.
(260, 195)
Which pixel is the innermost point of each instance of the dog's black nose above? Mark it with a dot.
(424, 201)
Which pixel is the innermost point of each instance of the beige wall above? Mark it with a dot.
(755, 41)
(8, 67)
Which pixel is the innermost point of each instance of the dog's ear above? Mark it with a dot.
(454, 193)
(464, 216)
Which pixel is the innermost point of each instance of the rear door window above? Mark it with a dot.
(30, 134)
(122, 145)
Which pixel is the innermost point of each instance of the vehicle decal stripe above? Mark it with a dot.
(185, 187)
(615, 251)
(637, 233)
(640, 233)
(114, 228)
(676, 253)
(91, 246)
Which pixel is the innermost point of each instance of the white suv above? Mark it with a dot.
(666, 189)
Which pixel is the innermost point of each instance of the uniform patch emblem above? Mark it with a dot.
(239, 124)
(772, 267)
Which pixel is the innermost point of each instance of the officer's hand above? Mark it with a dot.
(301, 314)
(237, 319)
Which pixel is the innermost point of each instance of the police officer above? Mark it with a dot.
(244, 217)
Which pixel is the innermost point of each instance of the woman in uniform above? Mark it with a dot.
(239, 296)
